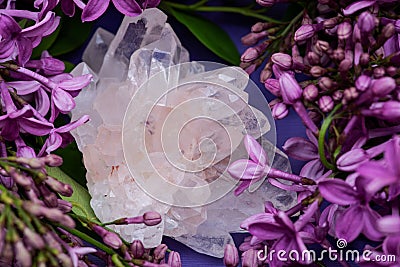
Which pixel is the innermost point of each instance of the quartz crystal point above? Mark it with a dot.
(120, 65)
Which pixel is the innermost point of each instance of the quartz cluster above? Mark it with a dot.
(144, 47)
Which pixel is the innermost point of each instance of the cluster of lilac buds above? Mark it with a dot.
(350, 104)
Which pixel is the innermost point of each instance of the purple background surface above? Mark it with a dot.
(236, 26)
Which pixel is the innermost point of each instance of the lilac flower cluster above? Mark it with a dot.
(37, 226)
(350, 105)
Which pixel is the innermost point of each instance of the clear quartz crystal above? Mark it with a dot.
(142, 47)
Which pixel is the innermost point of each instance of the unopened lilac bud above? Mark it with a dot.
(22, 254)
(33, 239)
(159, 252)
(231, 256)
(249, 258)
(252, 38)
(305, 32)
(322, 46)
(350, 94)
(344, 30)
(366, 22)
(290, 89)
(64, 205)
(364, 59)
(266, 73)
(350, 160)
(174, 259)
(391, 71)
(383, 86)
(151, 218)
(379, 72)
(325, 103)
(325, 84)
(278, 71)
(266, 3)
(59, 187)
(34, 163)
(58, 216)
(137, 249)
(49, 197)
(315, 116)
(313, 58)
(357, 34)
(279, 111)
(65, 260)
(337, 95)
(317, 71)
(111, 239)
(272, 85)
(51, 241)
(260, 26)
(284, 61)
(345, 65)
(249, 55)
(53, 160)
(310, 92)
(388, 31)
(306, 19)
(338, 54)
(331, 23)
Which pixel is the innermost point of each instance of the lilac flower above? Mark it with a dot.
(256, 168)
(363, 82)
(95, 8)
(301, 149)
(290, 89)
(288, 235)
(356, 6)
(79, 251)
(310, 92)
(60, 137)
(63, 88)
(35, 90)
(326, 103)
(17, 42)
(47, 65)
(16, 120)
(358, 217)
(352, 159)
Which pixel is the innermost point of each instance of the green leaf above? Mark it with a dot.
(46, 43)
(73, 34)
(80, 199)
(210, 34)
